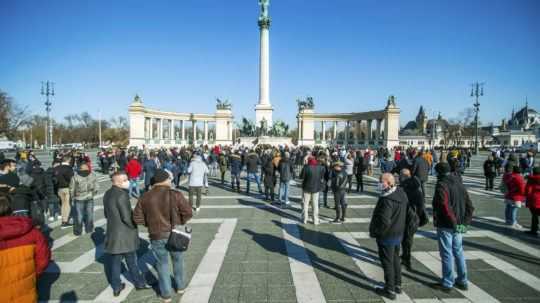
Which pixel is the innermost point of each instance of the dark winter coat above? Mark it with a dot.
(269, 174)
(286, 170)
(312, 178)
(490, 169)
(121, 236)
(236, 164)
(63, 174)
(389, 217)
(339, 181)
(252, 162)
(420, 169)
(413, 189)
(149, 169)
(452, 205)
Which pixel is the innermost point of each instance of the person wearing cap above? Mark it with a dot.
(155, 210)
(83, 188)
(339, 188)
(452, 214)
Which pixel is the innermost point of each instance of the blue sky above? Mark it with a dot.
(348, 54)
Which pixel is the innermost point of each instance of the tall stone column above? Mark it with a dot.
(346, 143)
(263, 109)
(379, 123)
(335, 130)
(194, 128)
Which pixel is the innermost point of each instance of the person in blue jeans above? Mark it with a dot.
(452, 213)
(252, 167)
(286, 174)
(83, 187)
(161, 209)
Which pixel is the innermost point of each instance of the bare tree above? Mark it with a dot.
(12, 116)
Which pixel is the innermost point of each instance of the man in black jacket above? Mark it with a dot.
(387, 227)
(359, 168)
(420, 170)
(312, 176)
(122, 238)
(411, 186)
(339, 188)
(252, 167)
(63, 174)
(452, 213)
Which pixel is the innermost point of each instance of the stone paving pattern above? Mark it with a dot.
(256, 265)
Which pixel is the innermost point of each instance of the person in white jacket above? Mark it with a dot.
(198, 173)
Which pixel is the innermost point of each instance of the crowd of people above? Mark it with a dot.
(32, 197)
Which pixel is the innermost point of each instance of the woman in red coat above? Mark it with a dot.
(515, 194)
(25, 254)
(533, 199)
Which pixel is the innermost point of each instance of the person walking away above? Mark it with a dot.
(387, 227)
(121, 238)
(198, 172)
(532, 191)
(252, 162)
(411, 185)
(420, 169)
(83, 188)
(286, 174)
(63, 174)
(24, 255)
(149, 168)
(515, 194)
(490, 172)
(349, 170)
(387, 165)
(312, 176)
(223, 164)
(236, 169)
(156, 209)
(452, 214)
(52, 189)
(269, 177)
(359, 169)
(133, 171)
(327, 170)
(339, 186)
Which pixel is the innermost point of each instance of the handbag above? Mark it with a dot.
(179, 238)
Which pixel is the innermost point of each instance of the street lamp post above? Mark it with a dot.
(47, 90)
(477, 90)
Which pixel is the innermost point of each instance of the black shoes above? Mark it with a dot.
(383, 292)
(143, 287)
(398, 290)
(406, 264)
(463, 287)
(66, 225)
(116, 293)
(337, 221)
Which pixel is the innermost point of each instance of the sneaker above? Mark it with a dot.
(197, 209)
(337, 221)
(58, 217)
(462, 287)
(180, 291)
(66, 225)
(142, 287)
(383, 292)
(517, 226)
(51, 219)
(166, 300)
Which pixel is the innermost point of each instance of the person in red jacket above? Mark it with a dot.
(133, 171)
(515, 194)
(25, 254)
(532, 190)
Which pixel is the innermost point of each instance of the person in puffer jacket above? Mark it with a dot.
(83, 188)
(532, 190)
(25, 253)
(339, 187)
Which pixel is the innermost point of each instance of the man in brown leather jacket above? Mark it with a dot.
(153, 210)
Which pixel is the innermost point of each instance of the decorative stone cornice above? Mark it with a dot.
(264, 23)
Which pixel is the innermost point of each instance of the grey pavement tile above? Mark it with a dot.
(225, 294)
(281, 293)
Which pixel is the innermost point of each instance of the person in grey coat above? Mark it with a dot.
(149, 168)
(121, 238)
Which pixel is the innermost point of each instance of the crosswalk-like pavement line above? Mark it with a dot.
(509, 269)
(366, 263)
(70, 237)
(306, 284)
(501, 222)
(535, 252)
(59, 222)
(202, 283)
(475, 293)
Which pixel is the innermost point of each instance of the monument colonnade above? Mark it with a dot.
(155, 128)
(361, 129)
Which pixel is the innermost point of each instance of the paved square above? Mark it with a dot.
(246, 250)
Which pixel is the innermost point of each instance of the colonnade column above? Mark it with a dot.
(194, 129)
(205, 131)
(183, 130)
(355, 129)
(346, 143)
(335, 130)
(369, 130)
(379, 123)
(323, 129)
